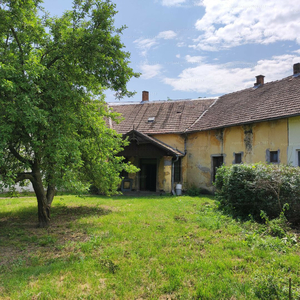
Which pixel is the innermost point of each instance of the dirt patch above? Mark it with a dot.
(21, 240)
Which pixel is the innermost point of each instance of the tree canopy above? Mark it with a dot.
(54, 72)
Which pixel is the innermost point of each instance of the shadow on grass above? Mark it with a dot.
(20, 236)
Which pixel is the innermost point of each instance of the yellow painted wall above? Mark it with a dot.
(176, 141)
(200, 147)
(272, 135)
(252, 141)
(294, 140)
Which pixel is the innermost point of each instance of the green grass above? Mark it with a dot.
(141, 248)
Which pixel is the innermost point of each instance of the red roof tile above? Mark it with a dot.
(273, 100)
(169, 116)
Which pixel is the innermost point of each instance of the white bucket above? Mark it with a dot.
(178, 189)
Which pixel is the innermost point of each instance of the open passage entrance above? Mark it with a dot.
(148, 168)
(217, 161)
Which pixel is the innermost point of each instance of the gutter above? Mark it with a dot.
(173, 163)
(172, 175)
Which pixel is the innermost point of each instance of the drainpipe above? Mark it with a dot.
(172, 175)
(185, 146)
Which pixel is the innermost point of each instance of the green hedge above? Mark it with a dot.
(247, 189)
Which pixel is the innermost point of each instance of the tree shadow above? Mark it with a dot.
(21, 237)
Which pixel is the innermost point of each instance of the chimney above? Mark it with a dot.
(259, 80)
(145, 97)
(296, 68)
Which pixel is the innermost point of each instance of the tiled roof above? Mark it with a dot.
(271, 100)
(169, 116)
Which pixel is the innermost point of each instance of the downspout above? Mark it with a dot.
(173, 163)
(172, 175)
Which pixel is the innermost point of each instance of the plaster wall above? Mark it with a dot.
(176, 141)
(294, 140)
(252, 141)
(200, 147)
(269, 136)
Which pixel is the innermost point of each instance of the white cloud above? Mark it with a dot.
(194, 59)
(216, 79)
(172, 2)
(145, 45)
(150, 71)
(167, 35)
(232, 23)
(181, 44)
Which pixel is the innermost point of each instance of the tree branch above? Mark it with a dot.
(48, 51)
(53, 61)
(18, 42)
(6, 42)
(23, 176)
(22, 159)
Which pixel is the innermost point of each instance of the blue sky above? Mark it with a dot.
(187, 49)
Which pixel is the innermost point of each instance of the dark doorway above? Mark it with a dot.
(217, 161)
(148, 174)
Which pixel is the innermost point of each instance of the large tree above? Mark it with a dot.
(53, 75)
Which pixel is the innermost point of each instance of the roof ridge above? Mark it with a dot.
(250, 88)
(160, 101)
(199, 118)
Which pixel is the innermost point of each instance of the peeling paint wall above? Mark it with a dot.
(294, 140)
(176, 141)
(200, 147)
(253, 141)
(272, 136)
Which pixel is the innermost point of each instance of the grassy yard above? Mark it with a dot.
(141, 248)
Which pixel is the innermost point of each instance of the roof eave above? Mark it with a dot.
(244, 123)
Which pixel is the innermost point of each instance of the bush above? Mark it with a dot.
(193, 191)
(249, 189)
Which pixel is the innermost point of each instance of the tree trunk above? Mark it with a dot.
(50, 194)
(43, 207)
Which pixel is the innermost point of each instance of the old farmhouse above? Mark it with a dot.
(184, 141)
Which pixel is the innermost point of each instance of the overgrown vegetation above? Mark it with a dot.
(250, 189)
(142, 248)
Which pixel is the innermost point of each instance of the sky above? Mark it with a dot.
(189, 49)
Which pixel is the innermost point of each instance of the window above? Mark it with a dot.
(177, 170)
(298, 158)
(274, 156)
(151, 119)
(217, 161)
(237, 158)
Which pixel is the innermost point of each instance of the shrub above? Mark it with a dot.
(193, 191)
(250, 189)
